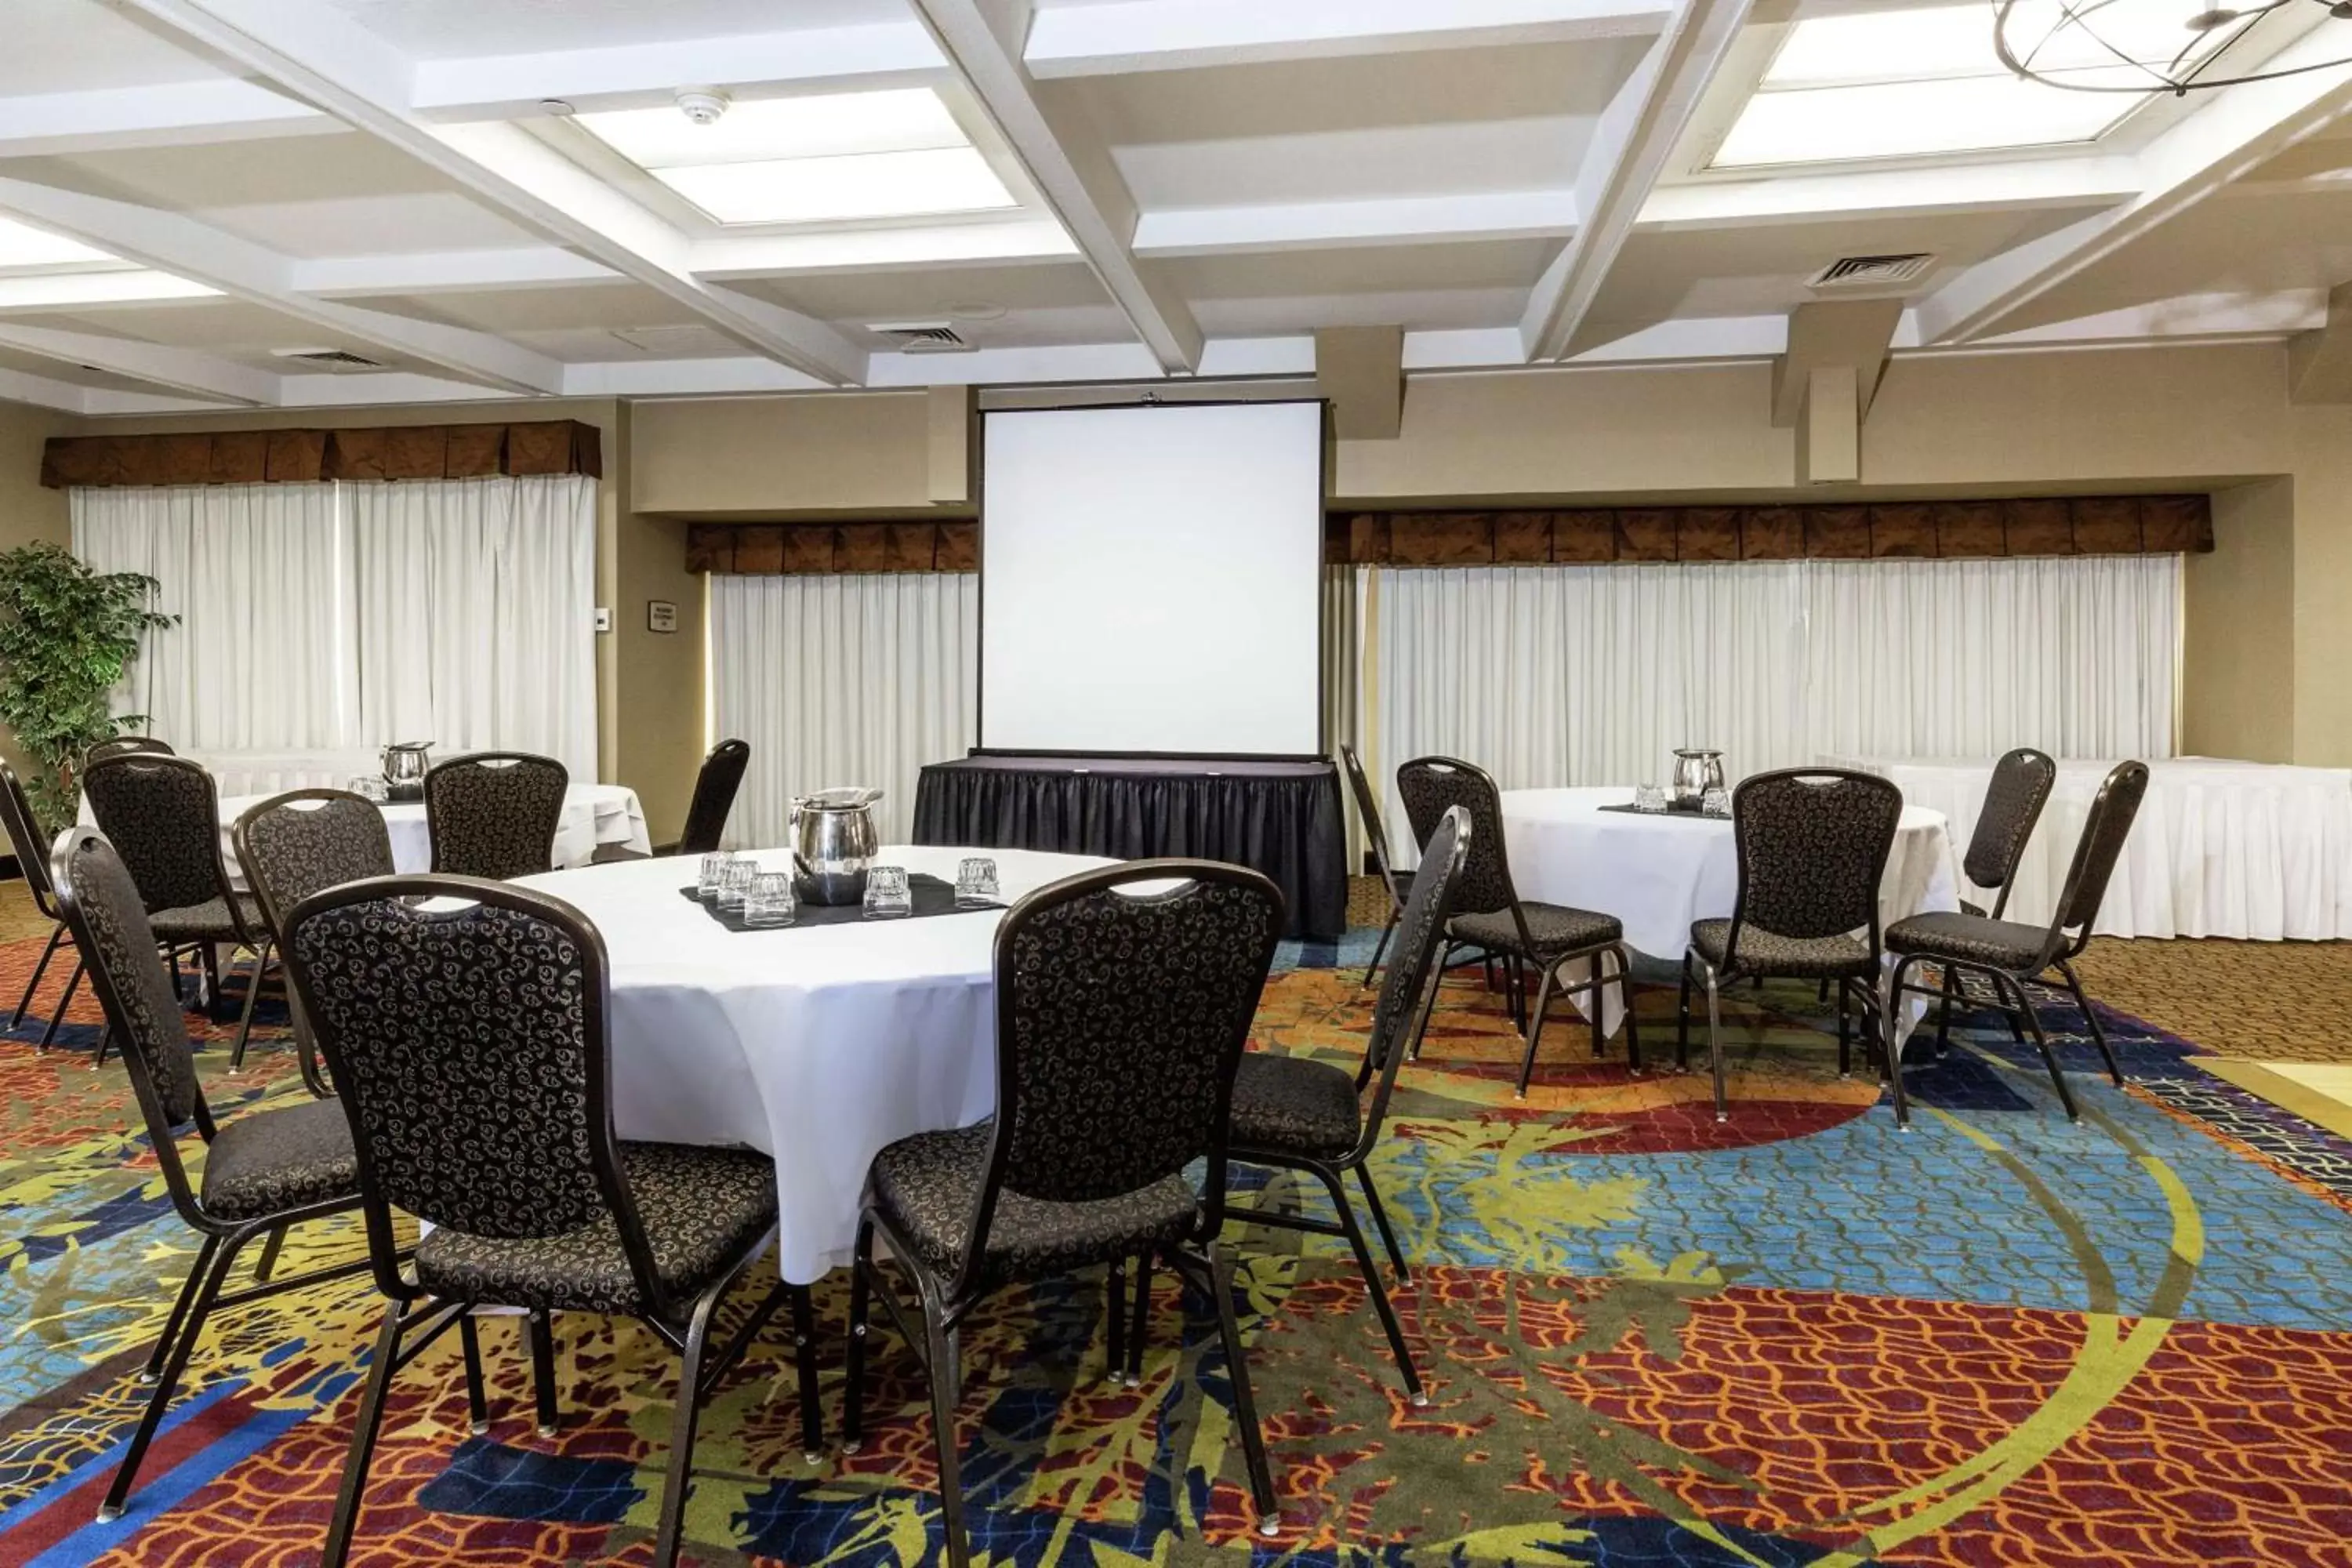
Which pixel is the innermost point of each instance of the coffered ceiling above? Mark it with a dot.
(510, 198)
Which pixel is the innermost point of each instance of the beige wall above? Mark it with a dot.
(2237, 656)
(815, 455)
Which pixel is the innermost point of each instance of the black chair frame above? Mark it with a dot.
(205, 1291)
(498, 761)
(33, 860)
(1853, 993)
(1368, 810)
(414, 1319)
(931, 1326)
(1996, 847)
(2069, 934)
(715, 786)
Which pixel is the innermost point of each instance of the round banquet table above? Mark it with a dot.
(594, 815)
(1659, 873)
(814, 1045)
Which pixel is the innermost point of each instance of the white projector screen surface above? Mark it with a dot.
(1150, 579)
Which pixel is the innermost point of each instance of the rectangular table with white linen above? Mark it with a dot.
(2252, 850)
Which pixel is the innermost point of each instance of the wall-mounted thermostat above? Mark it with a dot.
(604, 619)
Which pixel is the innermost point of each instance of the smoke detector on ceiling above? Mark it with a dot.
(1862, 272)
(329, 359)
(703, 105)
(922, 337)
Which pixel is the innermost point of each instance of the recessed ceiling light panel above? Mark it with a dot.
(831, 190)
(21, 245)
(763, 130)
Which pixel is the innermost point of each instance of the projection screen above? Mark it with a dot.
(1150, 579)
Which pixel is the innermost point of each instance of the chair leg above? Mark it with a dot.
(363, 1448)
(1944, 1009)
(252, 995)
(105, 1044)
(1625, 997)
(478, 1403)
(1535, 1031)
(2089, 1017)
(1221, 1290)
(861, 1285)
(687, 1412)
(268, 1262)
(175, 1365)
(1682, 1019)
(1380, 1218)
(210, 956)
(1115, 1321)
(804, 1371)
(1825, 990)
(946, 1387)
(1715, 1041)
(1379, 1293)
(2042, 1043)
(172, 1325)
(1846, 1034)
(73, 982)
(1890, 999)
(541, 1327)
(1139, 1326)
(39, 968)
(1381, 947)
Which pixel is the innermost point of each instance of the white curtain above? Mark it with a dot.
(324, 618)
(1578, 674)
(851, 679)
(476, 609)
(259, 576)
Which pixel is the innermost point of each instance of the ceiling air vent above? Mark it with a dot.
(922, 337)
(1872, 271)
(330, 359)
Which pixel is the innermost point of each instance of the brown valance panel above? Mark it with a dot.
(803, 549)
(1963, 530)
(307, 456)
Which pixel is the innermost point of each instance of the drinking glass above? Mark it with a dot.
(769, 900)
(1650, 797)
(1715, 802)
(734, 881)
(976, 882)
(887, 895)
(713, 872)
(368, 786)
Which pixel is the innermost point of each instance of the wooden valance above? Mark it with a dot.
(1963, 530)
(816, 549)
(307, 456)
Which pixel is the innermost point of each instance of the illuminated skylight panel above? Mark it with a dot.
(115, 287)
(21, 245)
(836, 158)
(1916, 83)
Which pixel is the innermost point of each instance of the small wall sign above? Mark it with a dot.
(661, 616)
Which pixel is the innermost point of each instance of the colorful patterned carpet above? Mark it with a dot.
(1653, 1342)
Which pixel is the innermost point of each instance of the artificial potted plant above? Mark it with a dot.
(67, 635)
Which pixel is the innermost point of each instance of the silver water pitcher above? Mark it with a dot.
(1697, 770)
(834, 844)
(404, 762)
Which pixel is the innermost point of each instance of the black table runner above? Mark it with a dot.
(1281, 818)
(928, 895)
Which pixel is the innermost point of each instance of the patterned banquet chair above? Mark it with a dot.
(162, 815)
(2013, 955)
(1393, 886)
(263, 1171)
(495, 813)
(1491, 917)
(2020, 786)
(33, 860)
(1813, 846)
(1319, 1119)
(466, 1023)
(714, 797)
(127, 746)
(292, 846)
(1120, 1018)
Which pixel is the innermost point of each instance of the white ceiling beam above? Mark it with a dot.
(1028, 238)
(174, 369)
(447, 272)
(1182, 35)
(323, 57)
(1399, 220)
(1069, 166)
(178, 243)
(1630, 146)
(2025, 186)
(2235, 132)
(833, 59)
(47, 124)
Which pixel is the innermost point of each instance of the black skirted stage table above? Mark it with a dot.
(1282, 818)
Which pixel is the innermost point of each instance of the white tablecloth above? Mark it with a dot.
(816, 1045)
(594, 815)
(275, 773)
(2221, 848)
(1658, 874)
